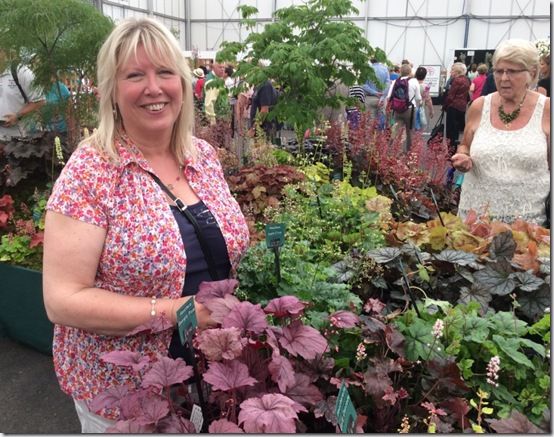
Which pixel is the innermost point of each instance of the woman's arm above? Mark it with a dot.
(461, 160)
(72, 252)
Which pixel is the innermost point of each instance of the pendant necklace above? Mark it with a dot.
(508, 118)
(172, 186)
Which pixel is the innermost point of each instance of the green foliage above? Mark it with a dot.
(64, 35)
(472, 339)
(310, 52)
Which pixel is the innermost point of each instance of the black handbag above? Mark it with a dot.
(437, 130)
(547, 210)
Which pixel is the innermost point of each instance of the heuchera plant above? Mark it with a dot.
(261, 365)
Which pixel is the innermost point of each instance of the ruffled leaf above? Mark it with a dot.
(246, 316)
(303, 391)
(166, 372)
(302, 340)
(384, 255)
(214, 289)
(281, 372)
(344, 319)
(496, 278)
(503, 246)
(110, 398)
(272, 413)
(221, 307)
(174, 424)
(153, 408)
(285, 306)
(228, 376)
(129, 427)
(223, 426)
(219, 344)
(517, 423)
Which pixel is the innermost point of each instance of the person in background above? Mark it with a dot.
(264, 97)
(425, 110)
(407, 118)
(18, 98)
(211, 94)
(353, 112)
(394, 73)
(506, 144)
(490, 85)
(198, 94)
(376, 92)
(54, 112)
(118, 252)
(455, 103)
(476, 87)
(228, 77)
(472, 72)
(543, 86)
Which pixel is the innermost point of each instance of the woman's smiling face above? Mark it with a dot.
(149, 96)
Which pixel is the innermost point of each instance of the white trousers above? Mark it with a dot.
(91, 423)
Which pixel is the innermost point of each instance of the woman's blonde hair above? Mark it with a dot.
(163, 50)
(519, 51)
(458, 67)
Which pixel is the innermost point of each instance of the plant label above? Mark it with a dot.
(275, 235)
(197, 418)
(186, 321)
(345, 411)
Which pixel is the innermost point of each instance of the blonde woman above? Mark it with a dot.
(117, 250)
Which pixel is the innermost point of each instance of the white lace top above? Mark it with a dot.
(510, 172)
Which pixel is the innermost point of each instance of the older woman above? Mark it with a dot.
(505, 146)
(118, 252)
(455, 103)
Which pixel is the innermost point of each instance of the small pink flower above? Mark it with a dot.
(492, 370)
(438, 327)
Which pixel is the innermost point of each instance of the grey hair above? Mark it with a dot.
(459, 67)
(519, 51)
(163, 49)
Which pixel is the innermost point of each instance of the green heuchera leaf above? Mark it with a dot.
(542, 328)
(497, 278)
(505, 323)
(476, 329)
(417, 337)
(465, 367)
(538, 348)
(510, 347)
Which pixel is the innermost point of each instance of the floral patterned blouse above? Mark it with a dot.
(143, 253)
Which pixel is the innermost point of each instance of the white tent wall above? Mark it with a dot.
(423, 31)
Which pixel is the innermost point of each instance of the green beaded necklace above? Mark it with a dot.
(508, 118)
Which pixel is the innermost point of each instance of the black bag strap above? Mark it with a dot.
(184, 210)
(16, 80)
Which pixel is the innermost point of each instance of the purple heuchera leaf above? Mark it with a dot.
(130, 427)
(303, 340)
(220, 307)
(246, 316)
(303, 391)
(109, 398)
(136, 360)
(344, 319)
(228, 376)
(218, 344)
(211, 290)
(281, 372)
(153, 408)
(272, 413)
(223, 426)
(166, 372)
(174, 424)
(154, 324)
(285, 306)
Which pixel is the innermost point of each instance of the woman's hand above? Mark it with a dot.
(462, 162)
(203, 315)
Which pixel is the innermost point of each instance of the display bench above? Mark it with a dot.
(22, 313)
